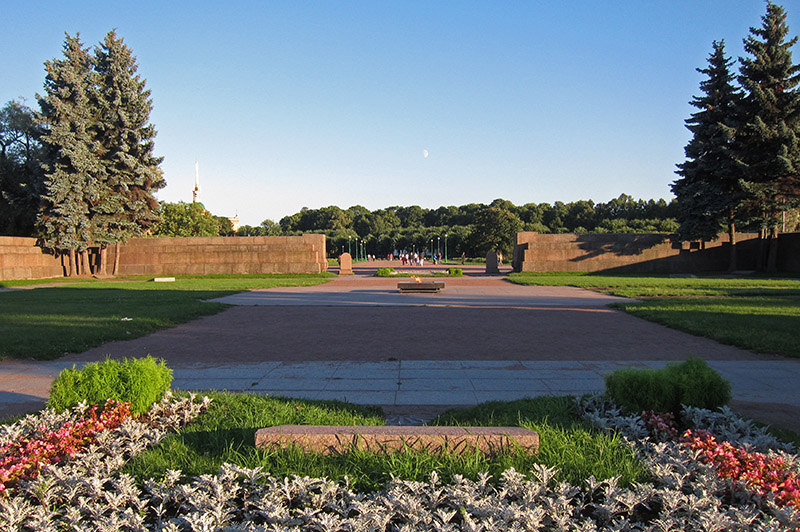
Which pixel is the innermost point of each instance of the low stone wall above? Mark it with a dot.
(21, 258)
(222, 255)
(789, 252)
(639, 253)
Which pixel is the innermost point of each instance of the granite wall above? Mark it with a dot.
(20, 258)
(644, 253)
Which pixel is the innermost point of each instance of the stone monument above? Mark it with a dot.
(492, 262)
(345, 264)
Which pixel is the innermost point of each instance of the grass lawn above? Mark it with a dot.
(46, 323)
(760, 314)
(226, 434)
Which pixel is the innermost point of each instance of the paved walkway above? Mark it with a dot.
(357, 339)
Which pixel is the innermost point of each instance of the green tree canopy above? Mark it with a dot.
(21, 173)
(186, 219)
(495, 230)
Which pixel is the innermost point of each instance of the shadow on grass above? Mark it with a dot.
(45, 324)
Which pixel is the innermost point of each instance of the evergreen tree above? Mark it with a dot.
(710, 190)
(769, 142)
(127, 206)
(72, 167)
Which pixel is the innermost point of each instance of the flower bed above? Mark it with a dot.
(23, 458)
(88, 492)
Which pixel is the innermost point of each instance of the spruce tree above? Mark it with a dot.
(72, 168)
(132, 174)
(769, 142)
(710, 191)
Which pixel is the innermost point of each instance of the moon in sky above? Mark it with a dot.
(425, 153)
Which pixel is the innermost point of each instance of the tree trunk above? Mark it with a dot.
(116, 257)
(85, 269)
(73, 265)
(772, 253)
(732, 243)
(101, 268)
(760, 251)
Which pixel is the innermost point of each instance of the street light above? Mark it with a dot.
(349, 250)
(445, 248)
(438, 247)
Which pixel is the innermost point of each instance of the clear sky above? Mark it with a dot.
(287, 104)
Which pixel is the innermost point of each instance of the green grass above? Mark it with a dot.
(760, 314)
(761, 324)
(226, 434)
(46, 323)
(637, 286)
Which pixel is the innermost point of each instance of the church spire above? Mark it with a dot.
(196, 190)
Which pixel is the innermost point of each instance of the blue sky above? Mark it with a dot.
(291, 104)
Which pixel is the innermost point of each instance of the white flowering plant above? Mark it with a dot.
(88, 492)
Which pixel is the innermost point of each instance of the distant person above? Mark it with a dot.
(463, 257)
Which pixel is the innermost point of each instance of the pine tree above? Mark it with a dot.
(132, 175)
(769, 142)
(73, 167)
(710, 191)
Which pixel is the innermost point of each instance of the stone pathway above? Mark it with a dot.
(356, 339)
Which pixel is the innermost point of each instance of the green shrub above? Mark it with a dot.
(384, 272)
(139, 381)
(691, 383)
(455, 272)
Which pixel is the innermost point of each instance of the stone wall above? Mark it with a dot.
(789, 252)
(640, 253)
(20, 258)
(223, 255)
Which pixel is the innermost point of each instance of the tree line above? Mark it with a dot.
(742, 163)
(472, 229)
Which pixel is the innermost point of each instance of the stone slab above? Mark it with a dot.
(424, 286)
(340, 439)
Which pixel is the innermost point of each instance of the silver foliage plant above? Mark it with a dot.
(90, 494)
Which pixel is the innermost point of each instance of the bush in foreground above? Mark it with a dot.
(384, 272)
(138, 381)
(691, 383)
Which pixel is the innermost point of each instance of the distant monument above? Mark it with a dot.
(345, 264)
(492, 262)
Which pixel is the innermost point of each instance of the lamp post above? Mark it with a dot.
(438, 247)
(349, 250)
(445, 248)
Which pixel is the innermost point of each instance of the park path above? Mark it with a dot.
(357, 339)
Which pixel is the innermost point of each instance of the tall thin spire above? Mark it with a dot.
(196, 190)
